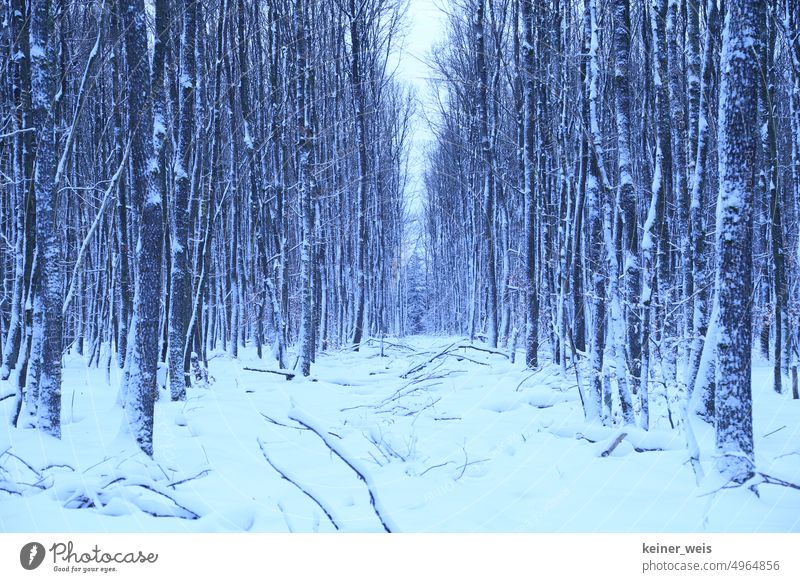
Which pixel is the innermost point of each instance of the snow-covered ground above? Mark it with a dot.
(409, 442)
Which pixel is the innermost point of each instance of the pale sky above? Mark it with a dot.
(425, 26)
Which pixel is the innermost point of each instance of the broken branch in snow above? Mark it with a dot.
(424, 364)
(360, 475)
(288, 375)
(435, 467)
(461, 357)
(285, 477)
(182, 481)
(191, 514)
(448, 352)
(10, 491)
(417, 412)
(615, 443)
(275, 422)
(770, 480)
(465, 465)
(487, 350)
(773, 432)
(23, 461)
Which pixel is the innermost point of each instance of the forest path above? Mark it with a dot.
(447, 437)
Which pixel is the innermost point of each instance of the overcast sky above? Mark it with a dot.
(425, 26)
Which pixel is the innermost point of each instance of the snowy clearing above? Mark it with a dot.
(435, 436)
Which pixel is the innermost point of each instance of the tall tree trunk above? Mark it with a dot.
(180, 285)
(529, 168)
(48, 320)
(140, 388)
(487, 173)
(628, 238)
(738, 142)
(306, 184)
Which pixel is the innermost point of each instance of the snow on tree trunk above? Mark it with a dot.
(738, 141)
(487, 173)
(306, 185)
(140, 388)
(47, 291)
(529, 168)
(180, 284)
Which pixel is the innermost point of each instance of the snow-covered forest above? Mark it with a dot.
(235, 298)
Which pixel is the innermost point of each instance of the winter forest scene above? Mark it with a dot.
(400, 266)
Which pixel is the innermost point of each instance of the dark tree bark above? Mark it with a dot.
(180, 285)
(47, 300)
(738, 143)
(140, 388)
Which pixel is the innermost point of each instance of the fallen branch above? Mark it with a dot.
(465, 465)
(192, 514)
(417, 412)
(614, 444)
(461, 358)
(24, 462)
(182, 481)
(773, 432)
(390, 344)
(58, 466)
(7, 396)
(288, 375)
(360, 475)
(487, 350)
(275, 422)
(285, 477)
(435, 467)
(770, 480)
(424, 364)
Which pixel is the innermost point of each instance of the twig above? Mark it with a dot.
(349, 464)
(293, 482)
(273, 421)
(465, 465)
(423, 365)
(770, 480)
(288, 375)
(355, 407)
(526, 378)
(192, 514)
(435, 467)
(7, 396)
(461, 357)
(96, 464)
(447, 418)
(487, 350)
(285, 518)
(11, 491)
(202, 473)
(24, 462)
(374, 458)
(417, 412)
(773, 432)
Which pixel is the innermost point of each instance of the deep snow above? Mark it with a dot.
(467, 443)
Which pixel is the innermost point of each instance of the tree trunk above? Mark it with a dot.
(737, 158)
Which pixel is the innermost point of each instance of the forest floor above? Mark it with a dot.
(433, 436)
